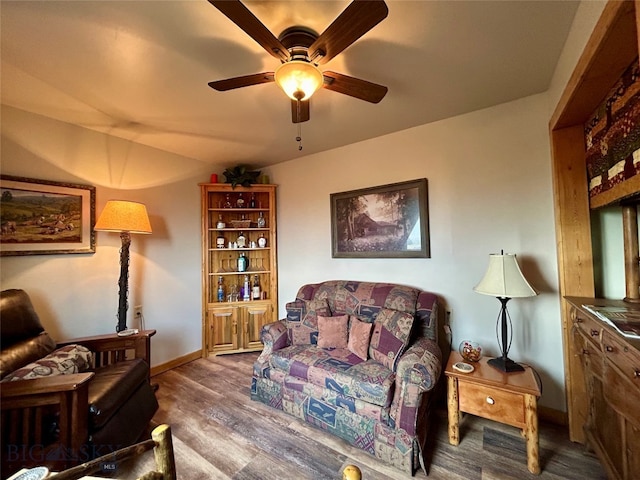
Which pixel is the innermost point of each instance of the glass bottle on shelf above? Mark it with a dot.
(243, 263)
(240, 201)
(227, 201)
(262, 222)
(246, 289)
(241, 240)
(262, 241)
(255, 289)
(220, 289)
(220, 223)
(220, 241)
(252, 202)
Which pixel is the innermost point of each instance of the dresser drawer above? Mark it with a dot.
(491, 403)
(590, 354)
(590, 328)
(622, 356)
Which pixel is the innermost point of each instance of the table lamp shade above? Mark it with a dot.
(504, 278)
(124, 216)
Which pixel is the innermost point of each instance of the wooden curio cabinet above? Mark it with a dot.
(237, 222)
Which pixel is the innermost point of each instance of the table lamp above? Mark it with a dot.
(505, 281)
(126, 218)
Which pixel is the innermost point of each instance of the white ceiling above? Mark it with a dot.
(139, 70)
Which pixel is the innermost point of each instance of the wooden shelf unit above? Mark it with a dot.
(611, 48)
(233, 326)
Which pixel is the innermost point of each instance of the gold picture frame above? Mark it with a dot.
(42, 217)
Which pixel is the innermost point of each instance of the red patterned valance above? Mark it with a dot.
(612, 135)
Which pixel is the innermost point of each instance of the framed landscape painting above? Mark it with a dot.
(389, 221)
(42, 217)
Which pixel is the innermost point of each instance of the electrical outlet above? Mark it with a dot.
(137, 311)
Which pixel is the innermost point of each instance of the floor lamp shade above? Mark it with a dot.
(126, 218)
(504, 280)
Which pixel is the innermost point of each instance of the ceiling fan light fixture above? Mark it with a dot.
(299, 79)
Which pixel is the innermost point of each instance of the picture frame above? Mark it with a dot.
(42, 217)
(387, 221)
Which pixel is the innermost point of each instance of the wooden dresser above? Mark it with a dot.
(611, 368)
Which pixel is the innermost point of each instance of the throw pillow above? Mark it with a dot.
(359, 337)
(391, 332)
(302, 320)
(333, 332)
(63, 361)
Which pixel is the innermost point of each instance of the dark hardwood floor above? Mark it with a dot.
(219, 433)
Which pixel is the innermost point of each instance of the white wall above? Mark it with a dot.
(77, 295)
(490, 188)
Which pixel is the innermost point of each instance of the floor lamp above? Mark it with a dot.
(125, 218)
(505, 281)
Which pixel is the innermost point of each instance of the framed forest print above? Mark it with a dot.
(388, 221)
(41, 217)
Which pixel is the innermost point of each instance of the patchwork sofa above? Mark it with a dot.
(373, 389)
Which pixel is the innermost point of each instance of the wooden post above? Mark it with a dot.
(163, 451)
(631, 253)
(453, 409)
(531, 433)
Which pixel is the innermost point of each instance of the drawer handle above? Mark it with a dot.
(491, 401)
(579, 320)
(636, 373)
(609, 348)
(594, 332)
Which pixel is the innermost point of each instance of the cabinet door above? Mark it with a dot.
(255, 317)
(223, 329)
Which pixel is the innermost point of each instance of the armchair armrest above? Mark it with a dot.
(25, 404)
(44, 385)
(274, 337)
(111, 348)
(417, 372)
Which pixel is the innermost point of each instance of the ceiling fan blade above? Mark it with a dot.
(303, 115)
(247, 21)
(356, 20)
(354, 87)
(239, 82)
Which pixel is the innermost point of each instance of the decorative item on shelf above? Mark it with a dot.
(240, 175)
(504, 280)
(214, 178)
(220, 223)
(126, 218)
(470, 351)
(227, 201)
(252, 201)
(240, 201)
(240, 223)
(262, 241)
(262, 222)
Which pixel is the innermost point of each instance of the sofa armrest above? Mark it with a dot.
(274, 337)
(418, 372)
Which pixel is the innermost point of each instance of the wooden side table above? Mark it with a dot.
(509, 398)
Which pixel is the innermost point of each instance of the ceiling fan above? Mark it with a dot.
(300, 51)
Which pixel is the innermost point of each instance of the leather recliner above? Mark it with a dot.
(62, 420)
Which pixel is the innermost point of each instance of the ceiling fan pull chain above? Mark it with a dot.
(299, 137)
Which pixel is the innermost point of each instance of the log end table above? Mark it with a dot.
(509, 398)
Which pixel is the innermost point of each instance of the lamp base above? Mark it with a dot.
(505, 365)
